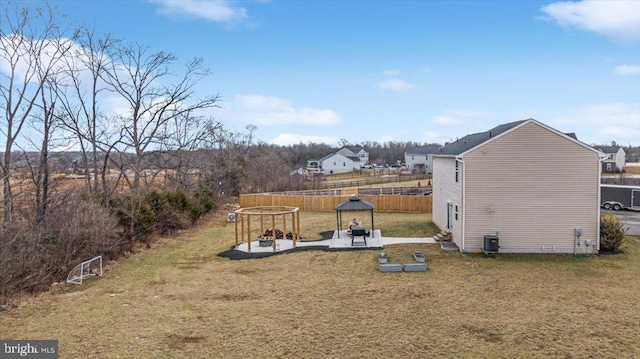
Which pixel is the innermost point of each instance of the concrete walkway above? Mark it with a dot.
(341, 241)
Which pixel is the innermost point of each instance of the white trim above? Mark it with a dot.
(531, 120)
(464, 203)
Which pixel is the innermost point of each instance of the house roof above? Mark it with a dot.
(423, 150)
(351, 157)
(329, 156)
(349, 154)
(469, 142)
(355, 204)
(355, 149)
(608, 149)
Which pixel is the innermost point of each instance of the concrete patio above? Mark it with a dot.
(341, 241)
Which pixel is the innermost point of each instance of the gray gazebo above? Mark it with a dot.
(354, 204)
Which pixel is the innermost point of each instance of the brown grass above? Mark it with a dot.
(182, 301)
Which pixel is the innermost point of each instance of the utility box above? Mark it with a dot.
(491, 244)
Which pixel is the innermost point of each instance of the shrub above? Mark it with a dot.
(204, 196)
(135, 215)
(34, 255)
(168, 209)
(611, 233)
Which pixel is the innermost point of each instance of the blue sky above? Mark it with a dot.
(425, 71)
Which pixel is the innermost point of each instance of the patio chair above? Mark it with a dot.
(359, 232)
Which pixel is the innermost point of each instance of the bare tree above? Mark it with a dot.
(31, 47)
(79, 98)
(142, 78)
(225, 169)
(186, 134)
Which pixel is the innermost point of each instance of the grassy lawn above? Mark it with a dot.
(179, 300)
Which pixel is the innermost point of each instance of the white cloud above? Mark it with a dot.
(627, 70)
(391, 73)
(602, 123)
(458, 117)
(274, 111)
(447, 121)
(395, 85)
(433, 137)
(616, 19)
(221, 11)
(25, 54)
(286, 139)
(385, 139)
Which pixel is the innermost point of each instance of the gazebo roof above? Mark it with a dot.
(355, 204)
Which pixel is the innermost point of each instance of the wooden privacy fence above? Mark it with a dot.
(383, 203)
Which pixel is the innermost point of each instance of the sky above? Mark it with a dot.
(423, 71)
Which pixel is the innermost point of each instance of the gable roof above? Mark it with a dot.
(423, 150)
(472, 141)
(355, 149)
(349, 154)
(608, 149)
(353, 158)
(354, 203)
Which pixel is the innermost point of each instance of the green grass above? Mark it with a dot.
(180, 300)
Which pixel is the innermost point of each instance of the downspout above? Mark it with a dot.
(602, 158)
(464, 207)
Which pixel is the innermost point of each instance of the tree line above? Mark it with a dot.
(155, 164)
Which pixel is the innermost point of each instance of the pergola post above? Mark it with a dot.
(299, 228)
(273, 230)
(235, 223)
(249, 231)
(261, 224)
(294, 230)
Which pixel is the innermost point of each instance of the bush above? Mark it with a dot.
(32, 256)
(134, 214)
(611, 233)
(168, 209)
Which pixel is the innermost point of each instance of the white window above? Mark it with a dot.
(608, 166)
(456, 212)
(457, 174)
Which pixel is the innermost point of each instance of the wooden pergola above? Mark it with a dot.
(244, 215)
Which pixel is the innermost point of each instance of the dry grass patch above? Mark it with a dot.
(316, 304)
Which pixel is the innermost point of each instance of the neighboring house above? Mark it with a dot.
(357, 151)
(532, 186)
(420, 158)
(615, 160)
(339, 163)
(346, 159)
(314, 166)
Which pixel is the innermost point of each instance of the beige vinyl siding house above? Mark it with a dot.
(531, 185)
(449, 192)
